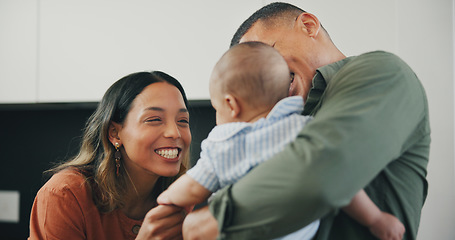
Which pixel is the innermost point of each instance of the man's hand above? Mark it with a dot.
(200, 225)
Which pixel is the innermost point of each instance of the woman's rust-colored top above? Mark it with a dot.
(64, 209)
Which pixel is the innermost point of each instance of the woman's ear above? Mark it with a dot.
(234, 105)
(309, 23)
(114, 129)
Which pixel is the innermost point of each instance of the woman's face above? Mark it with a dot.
(156, 133)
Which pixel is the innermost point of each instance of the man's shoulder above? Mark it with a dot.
(377, 60)
(378, 55)
(374, 66)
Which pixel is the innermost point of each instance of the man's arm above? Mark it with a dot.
(367, 115)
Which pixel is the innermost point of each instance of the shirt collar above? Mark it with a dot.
(320, 80)
(328, 71)
(286, 106)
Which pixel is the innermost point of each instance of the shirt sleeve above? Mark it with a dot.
(204, 172)
(56, 214)
(368, 113)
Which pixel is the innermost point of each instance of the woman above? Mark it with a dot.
(134, 146)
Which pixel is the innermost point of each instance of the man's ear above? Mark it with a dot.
(114, 129)
(233, 104)
(309, 23)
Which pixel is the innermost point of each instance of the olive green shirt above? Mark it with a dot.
(370, 130)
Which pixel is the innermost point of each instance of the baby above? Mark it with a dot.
(256, 119)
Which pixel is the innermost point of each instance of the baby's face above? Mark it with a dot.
(223, 112)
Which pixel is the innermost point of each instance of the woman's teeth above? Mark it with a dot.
(168, 153)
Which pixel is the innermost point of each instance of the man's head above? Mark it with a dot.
(297, 35)
(272, 14)
(251, 76)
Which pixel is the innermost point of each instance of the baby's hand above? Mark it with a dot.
(387, 227)
(163, 198)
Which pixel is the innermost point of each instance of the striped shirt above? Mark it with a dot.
(232, 149)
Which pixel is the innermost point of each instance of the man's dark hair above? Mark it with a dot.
(268, 12)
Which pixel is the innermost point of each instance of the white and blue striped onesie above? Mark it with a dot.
(233, 149)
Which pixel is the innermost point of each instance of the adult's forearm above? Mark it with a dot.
(279, 197)
(255, 207)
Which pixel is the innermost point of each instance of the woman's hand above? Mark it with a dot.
(162, 222)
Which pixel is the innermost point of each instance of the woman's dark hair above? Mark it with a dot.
(126, 89)
(95, 159)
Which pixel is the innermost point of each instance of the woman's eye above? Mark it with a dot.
(184, 121)
(153, 120)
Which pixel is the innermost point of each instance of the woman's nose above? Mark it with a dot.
(172, 131)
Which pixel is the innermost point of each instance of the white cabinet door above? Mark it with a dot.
(86, 45)
(18, 51)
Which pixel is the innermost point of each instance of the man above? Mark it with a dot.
(370, 130)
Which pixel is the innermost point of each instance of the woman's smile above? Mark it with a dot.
(169, 153)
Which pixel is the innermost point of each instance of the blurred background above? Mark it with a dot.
(58, 57)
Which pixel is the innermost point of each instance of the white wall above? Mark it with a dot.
(73, 50)
(85, 41)
(18, 51)
(428, 47)
(55, 50)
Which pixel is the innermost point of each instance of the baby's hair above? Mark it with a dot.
(254, 72)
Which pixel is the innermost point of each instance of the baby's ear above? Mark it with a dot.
(234, 105)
